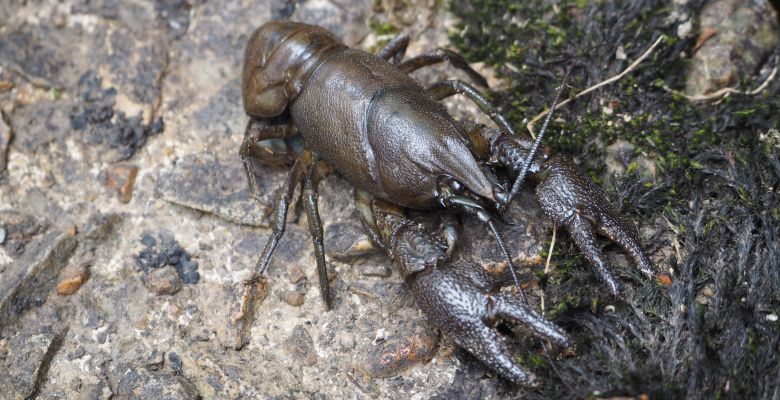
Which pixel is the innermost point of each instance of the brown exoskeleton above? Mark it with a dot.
(363, 116)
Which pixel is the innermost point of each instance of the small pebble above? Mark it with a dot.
(72, 230)
(296, 275)
(121, 178)
(162, 281)
(293, 297)
(771, 317)
(71, 279)
(175, 362)
(2, 235)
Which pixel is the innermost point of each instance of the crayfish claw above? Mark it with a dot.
(456, 295)
(573, 201)
(457, 299)
(506, 306)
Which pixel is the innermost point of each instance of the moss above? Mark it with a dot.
(382, 28)
(715, 184)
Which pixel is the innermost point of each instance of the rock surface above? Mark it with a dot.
(144, 97)
(735, 40)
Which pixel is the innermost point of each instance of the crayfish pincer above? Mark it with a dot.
(362, 116)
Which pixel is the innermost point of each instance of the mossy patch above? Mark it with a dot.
(710, 212)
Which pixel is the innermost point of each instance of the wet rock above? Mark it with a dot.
(71, 279)
(5, 140)
(27, 356)
(300, 347)
(26, 282)
(201, 182)
(163, 251)
(737, 37)
(525, 239)
(293, 297)
(121, 178)
(401, 351)
(162, 281)
(347, 242)
(143, 383)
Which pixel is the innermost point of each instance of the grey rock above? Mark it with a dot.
(162, 281)
(219, 374)
(347, 241)
(201, 182)
(20, 228)
(143, 383)
(342, 17)
(525, 239)
(743, 33)
(27, 355)
(44, 122)
(36, 51)
(229, 311)
(28, 280)
(294, 298)
(300, 347)
(373, 269)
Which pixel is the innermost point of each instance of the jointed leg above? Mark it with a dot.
(257, 130)
(502, 149)
(310, 196)
(395, 49)
(440, 55)
(448, 88)
(280, 212)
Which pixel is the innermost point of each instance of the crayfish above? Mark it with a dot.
(362, 116)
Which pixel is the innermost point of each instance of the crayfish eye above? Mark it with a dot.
(456, 186)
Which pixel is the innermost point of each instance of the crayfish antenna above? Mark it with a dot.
(472, 207)
(510, 265)
(527, 163)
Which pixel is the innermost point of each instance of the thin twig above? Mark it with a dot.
(547, 264)
(549, 254)
(530, 125)
(718, 94)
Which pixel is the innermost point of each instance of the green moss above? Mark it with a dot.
(382, 28)
(695, 147)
